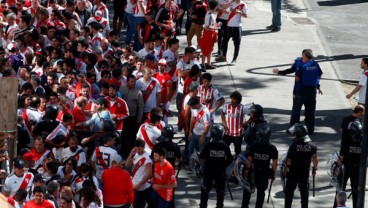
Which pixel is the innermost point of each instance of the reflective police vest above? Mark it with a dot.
(310, 73)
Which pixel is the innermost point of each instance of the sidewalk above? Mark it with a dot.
(260, 52)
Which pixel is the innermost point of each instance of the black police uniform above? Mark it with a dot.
(351, 151)
(172, 151)
(251, 133)
(217, 157)
(262, 155)
(345, 134)
(44, 128)
(300, 153)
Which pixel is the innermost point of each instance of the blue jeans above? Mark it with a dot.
(130, 30)
(276, 11)
(137, 21)
(309, 102)
(158, 201)
(194, 144)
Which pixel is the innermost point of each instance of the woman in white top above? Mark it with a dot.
(210, 34)
(91, 197)
(67, 171)
(86, 173)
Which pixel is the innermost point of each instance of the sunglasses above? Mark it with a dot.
(71, 164)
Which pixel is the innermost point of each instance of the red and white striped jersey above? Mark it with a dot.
(149, 133)
(103, 22)
(103, 9)
(235, 18)
(234, 116)
(223, 14)
(209, 97)
(138, 12)
(96, 40)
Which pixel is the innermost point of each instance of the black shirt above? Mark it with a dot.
(200, 10)
(44, 128)
(218, 157)
(351, 151)
(300, 153)
(345, 135)
(149, 30)
(262, 155)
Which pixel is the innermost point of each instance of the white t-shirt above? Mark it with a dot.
(363, 89)
(204, 121)
(152, 132)
(108, 154)
(66, 153)
(169, 56)
(235, 20)
(13, 183)
(129, 8)
(223, 14)
(209, 20)
(139, 169)
(151, 101)
(142, 53)
(185, 67)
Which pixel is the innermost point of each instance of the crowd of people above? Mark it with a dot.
(91, 105)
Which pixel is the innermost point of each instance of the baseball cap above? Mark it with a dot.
(19, 163)
(162, 62)
(29, 156)
(151, 57)
(11, 47)
(98, 15)
(39, 177)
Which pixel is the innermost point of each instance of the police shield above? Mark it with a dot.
(244, 172)
(335, 169)
(195, 166)
(282, 170)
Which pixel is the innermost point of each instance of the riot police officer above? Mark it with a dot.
(261, 153)
(256, 119)
(217, 157)
(300, 154)
(350, 156)
(172, 151)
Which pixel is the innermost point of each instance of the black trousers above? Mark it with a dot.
(219, 185)
(142, 197)
(261, 182)
(128, 135)
(179, 101)
(221, 33)
(352, 172)
(235, 34)
(236, 140)
(300, 179)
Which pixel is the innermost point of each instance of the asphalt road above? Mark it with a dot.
(344, 27)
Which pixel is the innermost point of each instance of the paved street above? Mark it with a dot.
(252, 76)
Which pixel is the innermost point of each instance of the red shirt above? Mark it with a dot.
(117, 187)
(44, 204)
(61, 114)
(79, 116)
(164, 175)
(165, 81)
(120, 109)
(187, 82)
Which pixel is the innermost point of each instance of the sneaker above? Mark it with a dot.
(210, 66)
(220, 59)
(270, 27)
(233, 62)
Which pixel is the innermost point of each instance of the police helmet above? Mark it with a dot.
(301, 132)
(51, 113)
(167, 134)
(217, 131)
(257, 110)
(109, 126)
(356, 131)
(263, 133)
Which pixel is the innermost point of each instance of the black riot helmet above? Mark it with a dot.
(109, 126)
(301, 132)
(217, 131)
(51, 113)
(257, 110)
(356, 131)
(167, 134)
(263, 133)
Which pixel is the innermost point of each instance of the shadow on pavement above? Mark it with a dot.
(340, 2)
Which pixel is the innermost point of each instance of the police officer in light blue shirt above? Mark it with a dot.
(307, 79)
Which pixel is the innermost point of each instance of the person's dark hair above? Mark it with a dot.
(53, 75)
(52, 187)
(67, 198)
(7, 72)
(52, 166)
(173, 41)
(130, 76)
(91, 74)
(85, 85)
(108, 137)
(365, 60)
(20, 195)
(73, 160)
(139, 143)
(39, 189)
(62, 90)
(67, 117)
(22, 100)
(57, 14)
(35, 101)
(104, 72)
(213, 4)
(160, 151)
(156, 114)
(115, 43)
(358, 108)
(53, 94)
(104, 85)
(89, 195)
(116, 72)
(113, 33)
(237, 96)
(308, 53)
(86, 28)
(189, 49)
(70, 62)
(207, 76)
(26, 19)
(103, 63)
